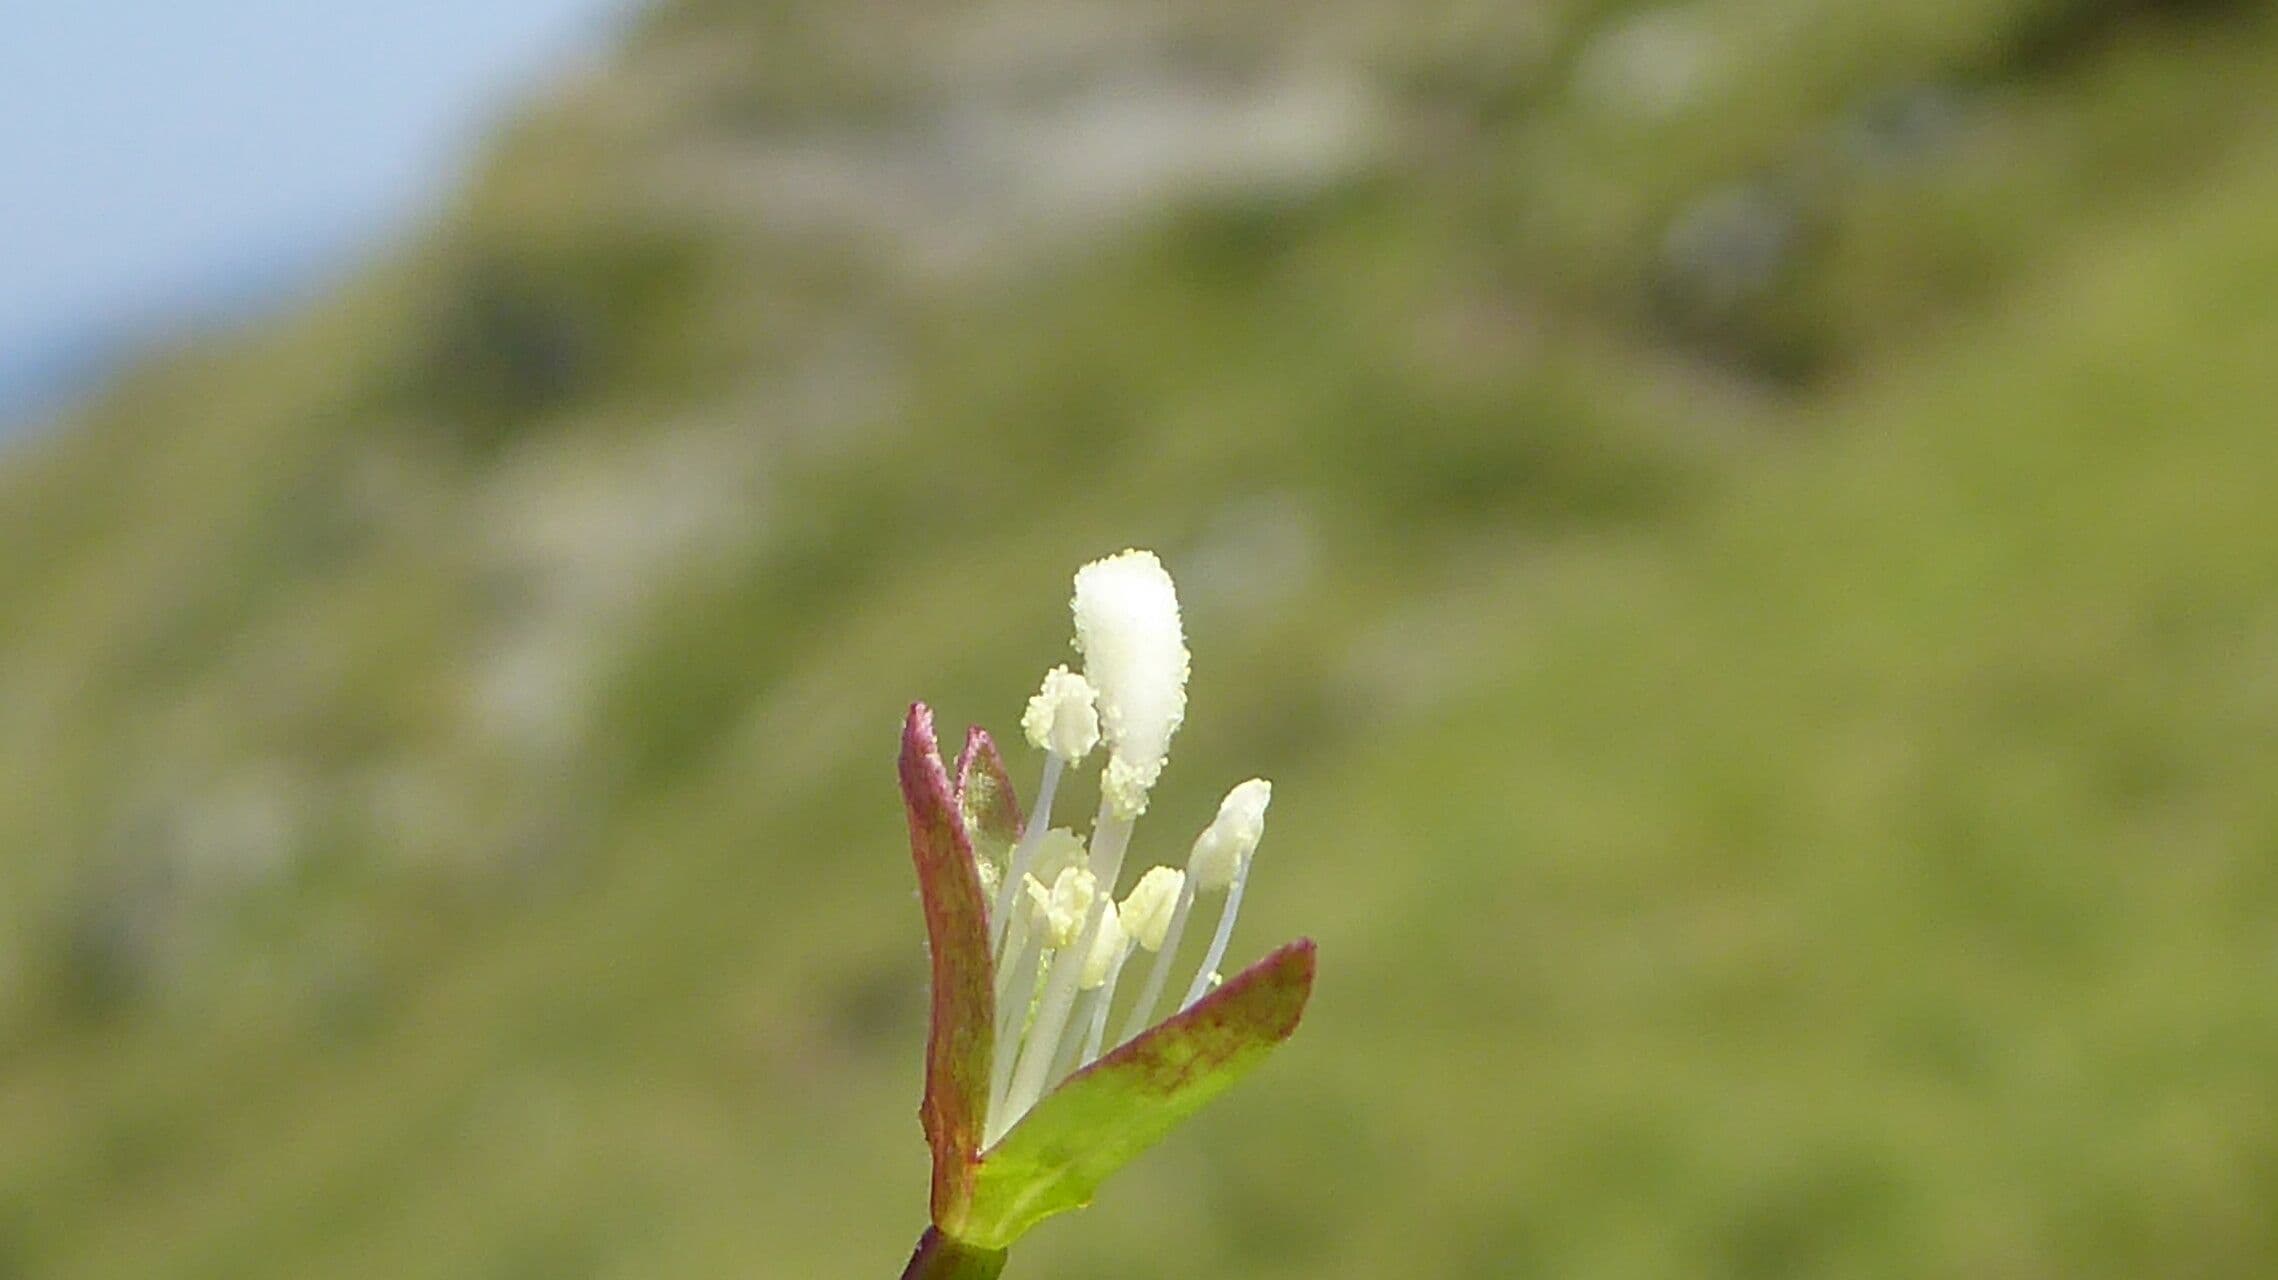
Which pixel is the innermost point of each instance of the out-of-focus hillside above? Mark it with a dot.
(1739, 530)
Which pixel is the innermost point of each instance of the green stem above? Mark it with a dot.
(940, 1258)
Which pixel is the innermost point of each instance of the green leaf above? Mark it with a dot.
(1102, 1117)
(962, 1031)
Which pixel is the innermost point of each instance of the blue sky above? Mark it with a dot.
(154, 151)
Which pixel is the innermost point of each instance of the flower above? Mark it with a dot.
(1027, 1105)
(1056, 980)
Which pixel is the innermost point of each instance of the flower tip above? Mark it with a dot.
(918, 738)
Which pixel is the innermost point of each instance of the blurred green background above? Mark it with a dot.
(1742, 531)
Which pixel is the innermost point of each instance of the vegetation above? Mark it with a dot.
(1740, 533)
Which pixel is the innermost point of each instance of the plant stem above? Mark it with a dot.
(1143, 1013)
(940, 1258)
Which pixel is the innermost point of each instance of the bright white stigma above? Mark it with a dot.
(1127, 625)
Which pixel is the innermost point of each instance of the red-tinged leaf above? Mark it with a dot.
(985, 798)
(1108, 1113)
(959, 1039)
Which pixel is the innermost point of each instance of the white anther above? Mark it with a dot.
(1224, 848)
(1067, 906)
(1148, 909)
(1063, 717)
(1108, 948)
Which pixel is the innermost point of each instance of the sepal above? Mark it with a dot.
(961, 1029)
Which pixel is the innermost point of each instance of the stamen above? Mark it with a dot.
(1048, 855)
(1097, 982)
(1063, 717)
(1069, 959)
(1097, 1031)
(1221, 858)
(1062, 721)
(1039, 821)
(1161, 934)
(1111, 835)
(1026, 908)
(1075, 892)
(1016, 991)
(1013, 1002)
(1224, 847)
(1106, 949)
(1203, 981)
(1148, 909)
